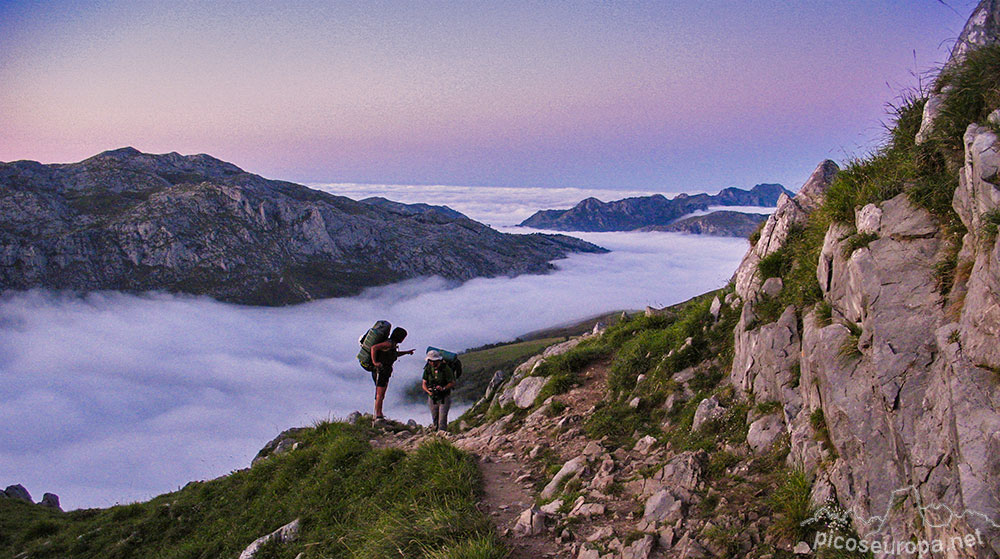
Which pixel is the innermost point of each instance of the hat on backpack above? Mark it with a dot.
(434, 355)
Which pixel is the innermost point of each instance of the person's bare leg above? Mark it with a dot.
(379, 398)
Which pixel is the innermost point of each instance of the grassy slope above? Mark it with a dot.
(354, 502)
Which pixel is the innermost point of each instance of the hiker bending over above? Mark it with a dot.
(384, 354)
(439, 379)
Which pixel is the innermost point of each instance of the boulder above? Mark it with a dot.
(586, 510)
(715, 307)
(640, 549)
(772, 287)
(287, 533)
(764, 432)
(527, 390)
(569, 469)
(593, 449)
(495, 382)
(531, 522)
(663, 506)
(645, 444)
(50, 500)
(868, 219)
(553, 507)
(708, 410)
(18, 492)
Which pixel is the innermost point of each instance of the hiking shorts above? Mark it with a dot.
(380, 376)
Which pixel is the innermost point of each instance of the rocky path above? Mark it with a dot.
(504, 500)
(519, 455)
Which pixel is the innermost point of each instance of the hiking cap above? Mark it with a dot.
(434, 355)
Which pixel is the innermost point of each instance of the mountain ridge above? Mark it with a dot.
(130, 221)
(627, 214)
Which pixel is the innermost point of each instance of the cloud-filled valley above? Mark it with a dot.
(113, 398)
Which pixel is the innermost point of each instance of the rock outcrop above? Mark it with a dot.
(790, 212)
(890, 394)
(982, 29)
(129, 221)
(633, 213)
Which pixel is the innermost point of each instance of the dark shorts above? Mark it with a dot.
(380, 376)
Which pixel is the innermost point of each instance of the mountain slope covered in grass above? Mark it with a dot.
(351, 500)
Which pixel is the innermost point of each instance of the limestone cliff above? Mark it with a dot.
(889, 386)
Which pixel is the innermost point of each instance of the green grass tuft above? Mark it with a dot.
(792, 505)
(775, 265)
(858, 241)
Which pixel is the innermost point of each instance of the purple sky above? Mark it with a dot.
(664, 96)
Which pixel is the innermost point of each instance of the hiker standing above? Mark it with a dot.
(383, 355)
(439, 379)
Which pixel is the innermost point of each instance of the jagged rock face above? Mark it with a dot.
(982, 29)
(790, 213)
(130, 221)
(909, 398)
(633, 213)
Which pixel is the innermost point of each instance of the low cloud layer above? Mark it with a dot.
(495, 205)
(114, 398)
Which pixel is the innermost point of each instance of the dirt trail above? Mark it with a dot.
(511, 473)
(503, 500)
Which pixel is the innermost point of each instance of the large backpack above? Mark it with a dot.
(450, 358)
(375, 335)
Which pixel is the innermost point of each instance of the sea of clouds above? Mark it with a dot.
(113, 398)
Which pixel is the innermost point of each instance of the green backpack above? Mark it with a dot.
(375, 335)
(450, 358)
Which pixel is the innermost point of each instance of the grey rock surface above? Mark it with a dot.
(901, 377)
(50, 500)
(527, 390)
(708, 410)
(568, 470)
(789, 213)
(18, 492)
(764, 432)
(287, 533)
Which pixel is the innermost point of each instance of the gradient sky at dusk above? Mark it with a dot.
(669, 96)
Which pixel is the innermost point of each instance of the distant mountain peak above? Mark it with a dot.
(653, 211)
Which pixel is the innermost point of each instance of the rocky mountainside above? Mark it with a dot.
(633, 213)
(718, 224)
(844, 387)
(130, 221)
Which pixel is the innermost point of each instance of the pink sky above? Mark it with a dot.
(658, 95)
